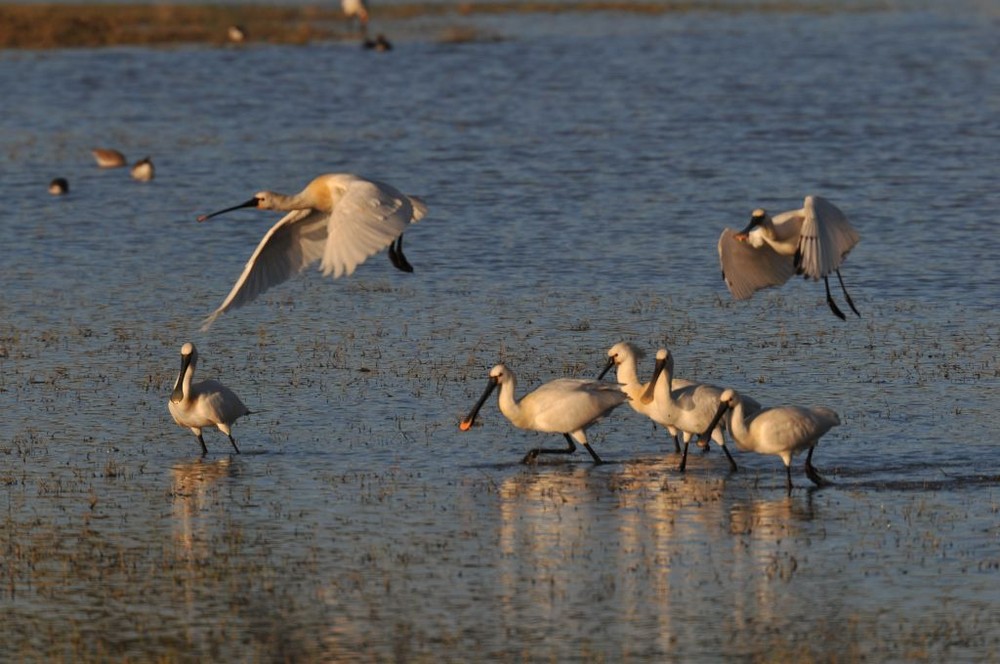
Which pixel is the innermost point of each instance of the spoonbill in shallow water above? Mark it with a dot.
(689, 408)
(623, 355)
(339, 219)
(565, 405)
(812, 241)
(205, 404)
(781, 430)
(356, 9)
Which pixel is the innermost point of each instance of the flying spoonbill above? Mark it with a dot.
(781, 430)
(812, 241)
(623, 355)
(339, 219)
(565, 405)
(205, 404)
(689, 408)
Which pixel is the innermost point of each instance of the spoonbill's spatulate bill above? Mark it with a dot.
(782, 430)
(566, 405)
(339, 219)
(205, 404)
(812, 241)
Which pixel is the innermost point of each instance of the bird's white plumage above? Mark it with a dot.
(783, 431)
(338, 219)
(208, 403)
(623, 356)
(765, 254)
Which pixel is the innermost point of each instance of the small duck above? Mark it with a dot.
(58, 187)
(143, 170)
(380, 43)
(108, 158)
(237, 34)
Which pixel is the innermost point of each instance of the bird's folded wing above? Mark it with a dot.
(368, 217)
(292, 244)
(747, 269)
(825, 239)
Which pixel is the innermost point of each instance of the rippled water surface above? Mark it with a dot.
(578, 171)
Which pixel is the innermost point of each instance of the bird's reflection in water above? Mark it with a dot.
(194, 490)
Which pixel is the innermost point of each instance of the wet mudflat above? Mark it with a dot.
(578, 174)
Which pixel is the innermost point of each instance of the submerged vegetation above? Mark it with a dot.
(95, 25)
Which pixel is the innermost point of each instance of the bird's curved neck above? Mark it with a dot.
(664, 388)
(182, 386)
(737, 423)
(505, 400)
(626, 372)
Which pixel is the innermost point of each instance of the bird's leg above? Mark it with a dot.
(677, 443)
(231, 440)
(732, 462)
(396, 256)
(811, 471)
(829, 300)
(684, 456)
(788, 480)
(204, 448)
(597, 459)
(850, 303)
(532, 455)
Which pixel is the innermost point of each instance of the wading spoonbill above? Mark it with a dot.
(690, 408)
(623, 355)
(565, 405)
(108, 158)
(781, 430)
(339, 219)
(812, 241)
(205, 404)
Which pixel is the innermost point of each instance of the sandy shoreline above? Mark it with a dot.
(42, 26)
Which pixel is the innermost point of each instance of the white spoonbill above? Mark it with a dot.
(565, 405)
(690, 408)
(781, 430)
(812, 241)
(205, 404)
(623, 355)
(339, 219)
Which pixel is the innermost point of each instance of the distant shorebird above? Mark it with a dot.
(143, 170)
(205, 404)
(782, 430)
(236, 34)
(108, 158)
(380, 43)
(566, 405)
(356, 10)
(58, 187)
(812, 241)
(339, 219)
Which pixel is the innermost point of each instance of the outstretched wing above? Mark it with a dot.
(747, 269)
(826, 238)
(295, 242)
(366, 219)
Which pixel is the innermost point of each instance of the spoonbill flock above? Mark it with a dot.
(339, 220)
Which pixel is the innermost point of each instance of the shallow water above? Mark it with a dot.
(578, 173)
